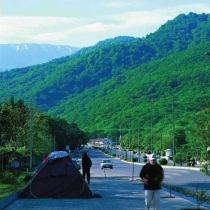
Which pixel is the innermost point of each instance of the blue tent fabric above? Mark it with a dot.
(57, 177)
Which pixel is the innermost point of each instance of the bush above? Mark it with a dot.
(178, 158)
(26, 177)
(162, 161)
(12, 181)
(145, 158)
(8, 178)
(135, 159)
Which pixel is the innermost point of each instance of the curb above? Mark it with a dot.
(10, 199)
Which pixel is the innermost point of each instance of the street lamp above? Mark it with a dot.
(138, 136)
(151, 125)
(31, 141)
(173, 85)
(129, 130)
(138, 140)
(130, 137)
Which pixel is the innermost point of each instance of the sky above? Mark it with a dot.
(83, 23)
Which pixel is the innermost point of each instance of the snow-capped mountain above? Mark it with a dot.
(22, 55)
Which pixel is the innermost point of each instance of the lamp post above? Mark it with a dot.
(173, 85)
(31, 142)
(138, 135)
(44, 144)
(130, 137)
(129, 131)
(138, 141)
(151, 125)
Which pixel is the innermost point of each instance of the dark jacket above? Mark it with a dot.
(86, 162)
(154, 174)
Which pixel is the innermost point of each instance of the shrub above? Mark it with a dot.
(12, 181)
(26, 177)
(134, 159)
(162, 161)
(178, 158)
(145, 158)
(8, 178)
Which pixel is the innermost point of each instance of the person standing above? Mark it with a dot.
(86, 164)
(152, 175)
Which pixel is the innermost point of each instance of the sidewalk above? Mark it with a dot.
(116, 195)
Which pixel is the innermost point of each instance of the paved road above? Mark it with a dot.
(120, 189)
(185, 177)
(116, 195)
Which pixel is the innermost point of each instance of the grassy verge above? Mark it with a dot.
(198, 194)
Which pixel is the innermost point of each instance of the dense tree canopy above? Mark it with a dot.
(18, 121)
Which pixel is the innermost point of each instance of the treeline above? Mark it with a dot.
(21, 123)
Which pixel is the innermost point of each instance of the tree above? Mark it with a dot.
(201, 131)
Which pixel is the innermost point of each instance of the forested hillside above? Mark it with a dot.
(126, 86)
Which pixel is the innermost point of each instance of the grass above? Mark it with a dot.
(199, 194)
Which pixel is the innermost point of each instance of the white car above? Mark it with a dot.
(106, 163)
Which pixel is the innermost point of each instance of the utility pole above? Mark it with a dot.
(151, 126)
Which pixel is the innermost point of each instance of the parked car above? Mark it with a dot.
(106, 163)
(77, 163)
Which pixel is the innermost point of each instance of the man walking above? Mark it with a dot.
(86, 164)
(152, 175)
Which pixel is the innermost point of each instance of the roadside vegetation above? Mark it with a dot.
(12, 181)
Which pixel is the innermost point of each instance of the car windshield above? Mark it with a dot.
(106, 161)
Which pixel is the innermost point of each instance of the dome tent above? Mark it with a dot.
(57, 177)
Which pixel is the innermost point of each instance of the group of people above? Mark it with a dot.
(152, 175)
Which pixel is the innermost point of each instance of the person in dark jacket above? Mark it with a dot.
(152, 175)
(86, 164)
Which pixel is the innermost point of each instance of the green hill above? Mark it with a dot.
(124, 84)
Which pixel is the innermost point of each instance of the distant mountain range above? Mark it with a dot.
(21, 55)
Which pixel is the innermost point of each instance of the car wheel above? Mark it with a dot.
(111, 167)
(101, 167)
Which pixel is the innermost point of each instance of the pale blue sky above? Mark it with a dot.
(82, 23)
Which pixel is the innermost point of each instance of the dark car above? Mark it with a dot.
(77, 163)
